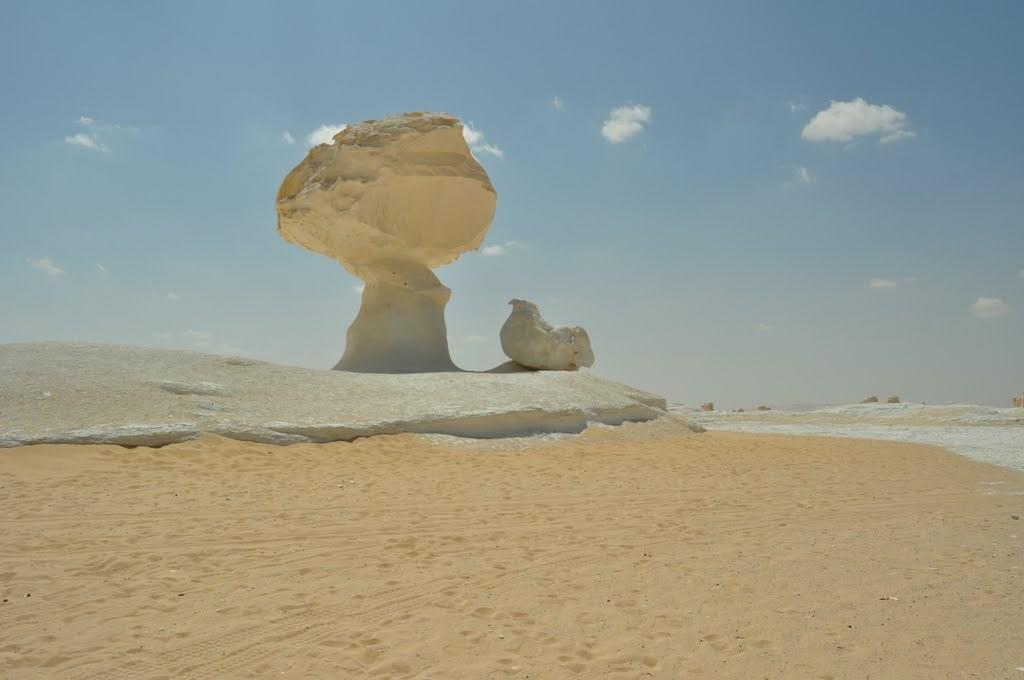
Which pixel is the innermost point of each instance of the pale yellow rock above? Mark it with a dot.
(870, 400)
(390, 200)
(530, 341)
(1018, 402)
(707, 406)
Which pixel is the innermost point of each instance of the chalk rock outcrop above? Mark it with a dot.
(707, 406)
(390, 200)
(1018, 402)
(529, 340)
(893, 400)
(869, 400)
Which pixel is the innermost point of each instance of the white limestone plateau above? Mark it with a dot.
(390, 200)
(530, 341)
(993, 435)
(83, 393)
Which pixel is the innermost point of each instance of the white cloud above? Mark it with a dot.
(989, 308)
(287, 138)
(475, 139)
(882, 283)
(909, 279)
(471, 134)
(801, 175)
(174, 297)
(45, 264)
(324, 134)
(498, 249)
(101, 268)
(625, 122)
(198, 338)
(86, 121)
(85, 140)
(764, 328)
(491, 149)
(558, 104)
(795, 107)
(845, 121)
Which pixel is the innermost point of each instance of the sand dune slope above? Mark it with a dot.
(633, 552)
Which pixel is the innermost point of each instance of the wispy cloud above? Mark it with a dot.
(498, 249)
(45, 264)
(87, 141)
(174, 297)
(801, 175)
(95, 134)
(557, 104)
(471, 340)
(200, 340)
(764, 328)
(989, 308)
(287, 138)
(625, 122)
(475, 139)
(795, 107)
(324, 134)
(882, 283)
(846, 121)
(101, 268)
(1020, 274)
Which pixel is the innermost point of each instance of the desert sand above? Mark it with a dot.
(640, 551)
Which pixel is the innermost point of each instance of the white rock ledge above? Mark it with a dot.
(135, 396)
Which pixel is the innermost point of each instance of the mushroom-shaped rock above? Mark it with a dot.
(531, 341)
(869, 400)
(1018, 402)
(894, 399)
(390, 200)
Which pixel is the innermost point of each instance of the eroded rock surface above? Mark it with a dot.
(529, 340)
(390, 200)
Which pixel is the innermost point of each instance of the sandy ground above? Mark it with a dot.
(629, 552)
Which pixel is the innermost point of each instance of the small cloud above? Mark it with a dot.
(324, 134)
(625, 122)
(491, 149)
(846, 121)
(1020, 274)
(764, 328)
(86, 121)
(989, 308)
(498, 249)
(45, 264)
(472, 340)
(287, 138)
(910, 279)
(86, 141)
(795, 107)
(101, 268)
(174, 297)
(557, 104)
(882, 283)
(198, 338)
(475, 139)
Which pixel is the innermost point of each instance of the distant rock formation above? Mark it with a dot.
(870, 400)
(529, 340)
(708, 406)
(892, 400)
(762, 407)
(1018, 402)
(390, 200)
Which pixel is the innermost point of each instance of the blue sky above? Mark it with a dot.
(744, 202)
